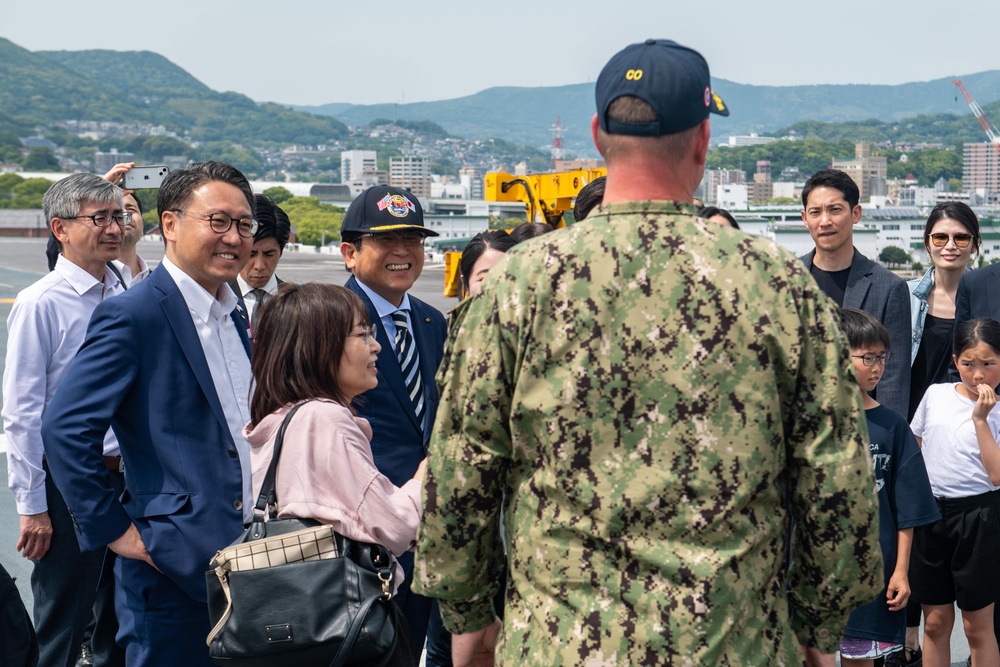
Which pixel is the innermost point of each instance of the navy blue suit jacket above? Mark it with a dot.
(142, 371)
(398, 443)
(978, 294)
(878, 291)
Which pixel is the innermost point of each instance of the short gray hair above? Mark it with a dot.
(65, 197)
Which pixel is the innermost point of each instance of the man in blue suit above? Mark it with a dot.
(177, 404)
(383, 245)
(830, 209)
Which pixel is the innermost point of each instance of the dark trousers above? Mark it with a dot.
(18, 645)
(416, 608)
(107, 652)
(158, 623)
(64, 583)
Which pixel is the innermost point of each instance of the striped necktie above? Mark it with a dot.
(409, 363)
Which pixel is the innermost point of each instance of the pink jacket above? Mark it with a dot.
(327, 473)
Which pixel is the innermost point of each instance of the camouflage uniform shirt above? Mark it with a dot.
(650, 397)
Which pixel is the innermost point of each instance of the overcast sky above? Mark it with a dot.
(372, 51)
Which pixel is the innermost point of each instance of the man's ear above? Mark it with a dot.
(58, 227)
(168, 225)
(594, 127)
(349, 253)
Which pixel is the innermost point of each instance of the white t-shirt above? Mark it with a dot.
(943, 421)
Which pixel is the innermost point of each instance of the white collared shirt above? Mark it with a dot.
(126, 271)
(249, 298)
(45, 330)
(227, 362)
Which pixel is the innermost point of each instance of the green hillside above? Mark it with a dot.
(141, 87)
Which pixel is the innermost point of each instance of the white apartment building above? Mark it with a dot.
(411, 173)
(355, 163)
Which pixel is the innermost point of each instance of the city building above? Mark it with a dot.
(981, 172)
(713, 178)
(868, 172)
(761, 190)
(411, 173)
(354, 163)
(751, 139)
(475, 177)
(732, 196)
(103, 162)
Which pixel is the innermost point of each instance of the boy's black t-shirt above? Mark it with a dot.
(905, 501)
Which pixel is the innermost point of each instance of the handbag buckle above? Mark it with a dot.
(385, 576)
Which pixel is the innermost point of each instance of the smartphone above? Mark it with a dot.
(145, 178)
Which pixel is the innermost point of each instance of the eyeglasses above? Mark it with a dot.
(367, 334)
(870, 359)
(389, 240)
(105, 220)
(940, 239)
(220, 223)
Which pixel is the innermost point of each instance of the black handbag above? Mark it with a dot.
(292, 592)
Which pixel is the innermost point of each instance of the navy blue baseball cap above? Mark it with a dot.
(383, 209)
(672, 78)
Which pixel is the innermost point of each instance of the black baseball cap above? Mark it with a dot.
(672, 78)
(383, 209)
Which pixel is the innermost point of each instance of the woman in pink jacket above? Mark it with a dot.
(315, 345)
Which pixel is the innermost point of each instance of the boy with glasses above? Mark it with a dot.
(383, 246)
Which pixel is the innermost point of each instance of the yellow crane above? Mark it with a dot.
(546, 198)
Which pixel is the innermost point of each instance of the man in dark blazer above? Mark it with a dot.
(177, 404)
(978, 294)
(257, 278)
(383, 245)
(830, 201)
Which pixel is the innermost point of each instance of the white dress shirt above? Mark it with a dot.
(249, 298)
(227, 361)
(45, 330)
(126, 271)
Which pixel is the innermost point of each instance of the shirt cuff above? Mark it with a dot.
(823, 633)
(460, 618)
(31, 502)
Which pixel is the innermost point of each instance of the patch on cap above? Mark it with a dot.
(397, 205)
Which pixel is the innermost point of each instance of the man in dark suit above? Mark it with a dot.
(177, 404)
(830, 211)
(257, 279)
(383, 245)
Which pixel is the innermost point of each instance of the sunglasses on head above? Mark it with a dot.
(940, 240)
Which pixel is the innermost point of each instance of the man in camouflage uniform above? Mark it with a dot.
(650, 398)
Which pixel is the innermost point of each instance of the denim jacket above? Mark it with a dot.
(919, 289)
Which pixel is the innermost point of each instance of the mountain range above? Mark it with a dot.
(42, 87)
(525, 115)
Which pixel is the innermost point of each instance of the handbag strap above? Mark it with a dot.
(344, 654)
(268, 496)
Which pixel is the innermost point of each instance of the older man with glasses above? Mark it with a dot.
(383, 245)
(178, 403)
(45, 329)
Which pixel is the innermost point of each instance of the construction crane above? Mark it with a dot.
(991, 131)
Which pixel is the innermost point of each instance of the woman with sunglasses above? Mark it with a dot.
(951, 236)
(315, 346)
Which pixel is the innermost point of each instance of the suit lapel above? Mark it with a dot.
(387, 363)
(858, 281)
(178, 316)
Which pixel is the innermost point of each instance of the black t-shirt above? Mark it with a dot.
(933, 360)
(833, 283)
